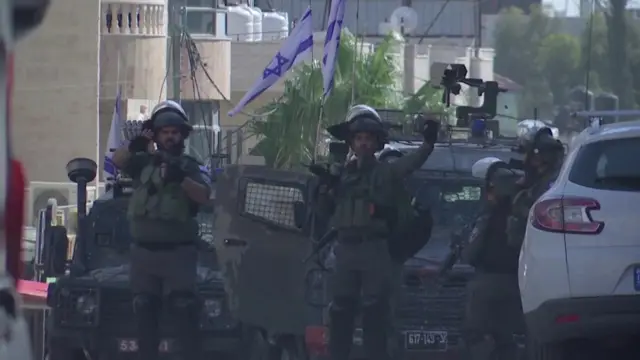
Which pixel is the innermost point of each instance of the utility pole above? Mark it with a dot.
(175, 25)
(478, 32)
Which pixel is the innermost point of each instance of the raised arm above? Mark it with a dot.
(134, 157)
(413, 161)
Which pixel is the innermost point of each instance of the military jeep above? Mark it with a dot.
(91, 303)
(265, 228)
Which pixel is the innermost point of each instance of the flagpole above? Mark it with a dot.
(318, 127)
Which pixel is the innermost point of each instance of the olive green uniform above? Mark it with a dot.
(164, 254)
(369, 203)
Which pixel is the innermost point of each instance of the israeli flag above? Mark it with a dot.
(113, 141)
(332, 44)
(298, 44)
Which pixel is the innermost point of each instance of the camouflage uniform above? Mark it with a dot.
(367, 206)
(535, 183)
(493, 311)
(165, 233)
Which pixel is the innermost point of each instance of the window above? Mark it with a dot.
(608, 165)
(448, 199)
(271, 203)
(206, 21)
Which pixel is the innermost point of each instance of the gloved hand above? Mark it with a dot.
(430, 131)
(140, 143)
(174, 173)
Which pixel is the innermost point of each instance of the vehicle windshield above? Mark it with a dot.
(112, 241)
(454, 203)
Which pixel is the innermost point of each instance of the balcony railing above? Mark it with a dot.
(133, 19)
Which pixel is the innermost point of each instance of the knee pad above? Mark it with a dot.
(341, 305)
(146, 304)
(183, 303)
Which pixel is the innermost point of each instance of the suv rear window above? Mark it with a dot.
(608, 165)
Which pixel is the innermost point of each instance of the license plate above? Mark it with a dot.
(425, 340)
(636, 278)
(131, 345)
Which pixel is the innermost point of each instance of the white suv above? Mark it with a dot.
(579, 268)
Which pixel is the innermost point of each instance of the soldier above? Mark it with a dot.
(168, 189)
(543, 157)
(366, 205)
(493, 311)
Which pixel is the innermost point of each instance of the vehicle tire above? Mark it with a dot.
(289, 347)
(255, 345)
(60, 351)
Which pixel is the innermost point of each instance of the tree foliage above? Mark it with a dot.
(287, 136)
(535, 52)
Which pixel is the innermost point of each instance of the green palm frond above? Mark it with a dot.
(287, 136)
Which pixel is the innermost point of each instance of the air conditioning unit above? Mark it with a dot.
(39, 192)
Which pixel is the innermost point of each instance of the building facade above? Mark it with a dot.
(68, 73)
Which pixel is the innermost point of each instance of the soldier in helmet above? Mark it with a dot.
(366, 206)
(543, 157)
(168, 189)
(493, 311)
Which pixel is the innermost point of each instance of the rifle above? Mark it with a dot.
(455, 252)
(323, 173)
(321, 244)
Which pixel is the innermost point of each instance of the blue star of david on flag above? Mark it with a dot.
(332, 43)
(277, 69)
(293, 49)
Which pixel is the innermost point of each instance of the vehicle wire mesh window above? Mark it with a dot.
(271, 203)
(608, 165)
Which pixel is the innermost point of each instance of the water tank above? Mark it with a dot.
(275, 25)
(239, 23)
(257, 23)
(577, 98)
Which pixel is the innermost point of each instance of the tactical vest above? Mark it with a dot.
(365, 203)
(154, 199)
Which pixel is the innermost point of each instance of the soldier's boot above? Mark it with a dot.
(341, 326)
(184, 309)
(505, 347)
(375, 327)
(147, 310)
(478, 346)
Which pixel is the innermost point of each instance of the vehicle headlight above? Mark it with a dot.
(86, 304)
(212, 308)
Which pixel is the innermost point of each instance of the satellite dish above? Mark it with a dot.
(404, 20)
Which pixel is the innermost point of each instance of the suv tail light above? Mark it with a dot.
(570, 215)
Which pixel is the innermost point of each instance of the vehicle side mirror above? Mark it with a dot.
(316, 289)
(56, 250)
(299, 214)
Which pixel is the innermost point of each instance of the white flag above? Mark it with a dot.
(298, 44)
(113, 141)
(332, 43)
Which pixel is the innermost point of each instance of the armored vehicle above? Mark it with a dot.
(91, 304)
(264, 228)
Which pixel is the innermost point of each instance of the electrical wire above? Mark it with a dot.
(203, 67)
(433, 22)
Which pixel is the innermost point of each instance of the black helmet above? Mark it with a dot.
(170, 113)
(538, 140)
(360, 118)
